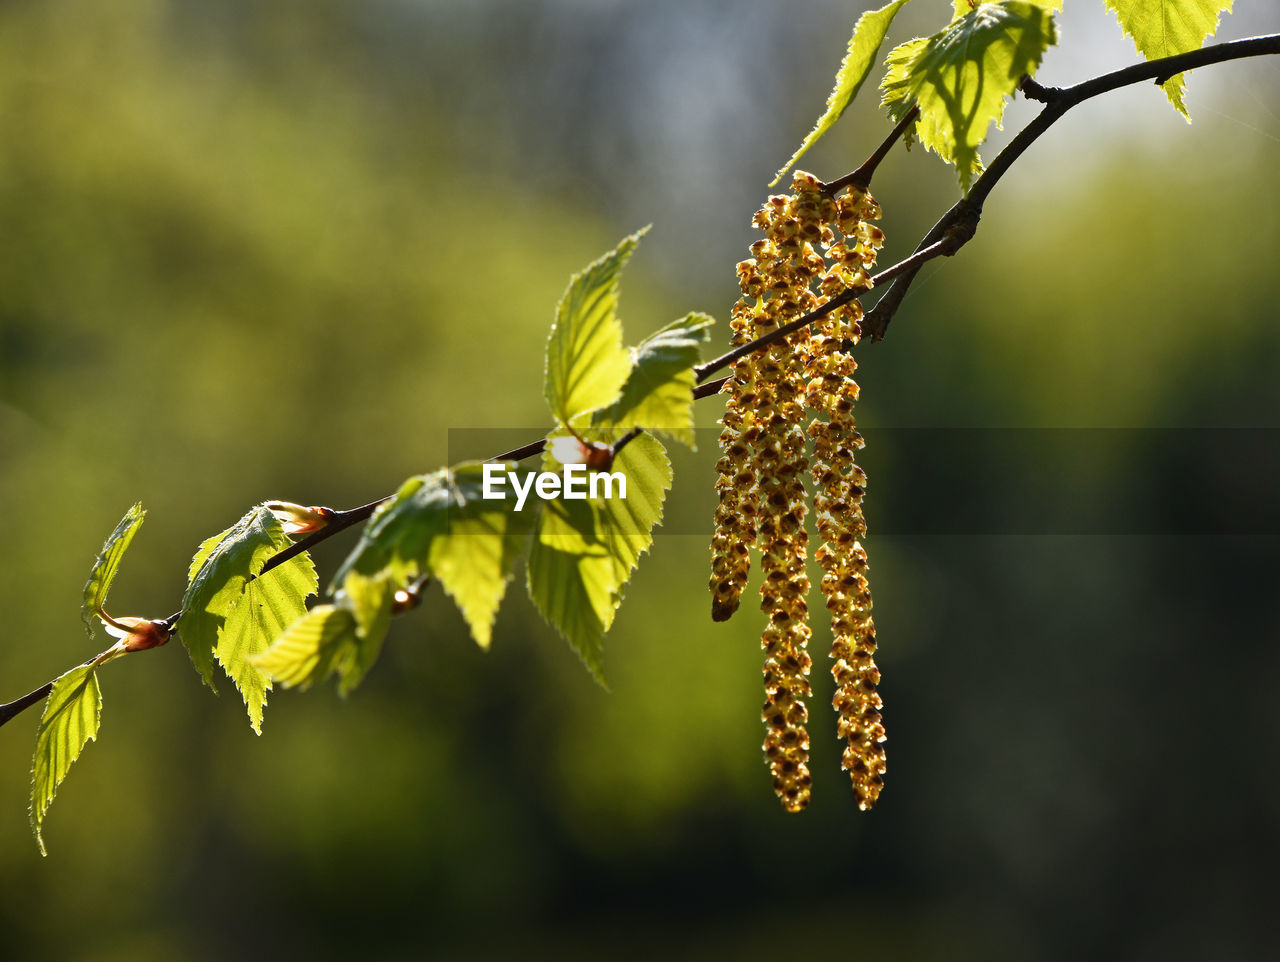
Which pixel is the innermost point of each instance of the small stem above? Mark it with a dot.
(944, 246)
(709, 388)
(26, 701)
(112, 622)
(861, 178)
(19, 705)
(522, 452)
(627, 439)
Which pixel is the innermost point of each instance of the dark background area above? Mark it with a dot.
(256, 251)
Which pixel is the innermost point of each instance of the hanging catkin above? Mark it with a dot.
(762, 497)
(839, 485)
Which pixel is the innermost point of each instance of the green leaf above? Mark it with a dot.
(864, 46)
(345, 637)
(584, 551)
(269, 605)
(472, 561)
(219, 572)
(71, 717)
(961, 76)
(108, 563)
(442, 524)
(658, 393)
(311, 648)
(398, 535)
(586, 362)
(963, 7)
(369, 601)
(1162, 28)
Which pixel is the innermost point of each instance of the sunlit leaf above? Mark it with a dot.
(108, 563)
(369, 601)
(962, 7)
(269, 605)
(658, 393)
(71, 717)
(345, 637)
(397, 537)
(1162, 28)
(311, 647)
(584, 552)
(472, 561)
(586, 362)
(864, 46)
(219, 572)
(962, 75)
(442, 524)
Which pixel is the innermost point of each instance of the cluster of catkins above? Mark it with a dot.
(815, 247)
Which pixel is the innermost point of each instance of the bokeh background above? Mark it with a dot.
(253, 251)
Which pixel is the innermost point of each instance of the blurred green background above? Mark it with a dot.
(257, 251)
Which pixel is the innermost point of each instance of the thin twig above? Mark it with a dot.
(946, 245)
(967, 211)
(19, 705)
(626, 439)
(26, 701)
(708, 388)
(861, 178)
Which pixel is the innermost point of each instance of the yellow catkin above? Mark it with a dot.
(777, 287)
(814, 247)
(736, 508)
(839, 485)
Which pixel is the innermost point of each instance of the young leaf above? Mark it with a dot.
(472, 561)
(961, 76)
(108, 563)
(369, 600)
(586, 362)
(963, 7)
(864, 46)
(1162, 28)
(658, 394)
(571, 591)
(71, 717)
(398, 535)
(269, 605)
(217, 577)
(311, 648)
(441, 523)
(584, 552)
(345, 637)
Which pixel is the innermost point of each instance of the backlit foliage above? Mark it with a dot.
(789, 416)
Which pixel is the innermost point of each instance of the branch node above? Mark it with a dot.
(1034, 90)
(962, 228)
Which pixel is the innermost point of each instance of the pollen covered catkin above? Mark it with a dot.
(811, 240)
(839, 485)
(736, 508)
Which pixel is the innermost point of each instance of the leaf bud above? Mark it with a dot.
(296, 519)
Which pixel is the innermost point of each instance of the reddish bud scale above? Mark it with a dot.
(146, 636)
(134, 634)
